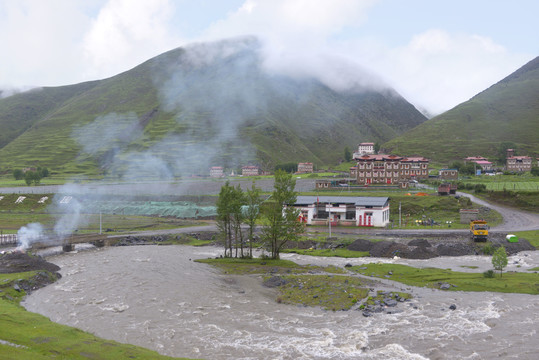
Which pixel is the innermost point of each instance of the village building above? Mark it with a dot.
(250, 170)
(216, 172)
(415, 168)
(343, 210)
(448, 174)
(485, 165)
(474, 158)
(366, 148)
(304, 168)
(389, 169)
(518, 164)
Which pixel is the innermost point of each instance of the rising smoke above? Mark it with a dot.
(212, 90)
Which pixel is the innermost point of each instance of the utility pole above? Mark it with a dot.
(329, 222)
(400, 216)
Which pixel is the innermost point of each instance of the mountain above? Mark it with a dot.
(207, 104)
(507, 112)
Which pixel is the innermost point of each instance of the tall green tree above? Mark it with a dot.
(281, 221)
(18, 174)
(499, 259)
(32, 177)
(237, 216)
(252, 212)
(224, 216)
(347, 154)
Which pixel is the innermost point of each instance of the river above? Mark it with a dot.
(158, 298)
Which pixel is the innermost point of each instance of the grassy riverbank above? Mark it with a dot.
(330, 288)
(509, 282)
(26, 335)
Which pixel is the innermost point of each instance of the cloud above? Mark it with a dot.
(437, 69)
(126, 33)
(40, 40)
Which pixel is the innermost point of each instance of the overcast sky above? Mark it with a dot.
(436, 54)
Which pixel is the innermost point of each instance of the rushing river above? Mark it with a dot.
(158, 298)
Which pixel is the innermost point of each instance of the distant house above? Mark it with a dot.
(448, 174)
(305, 168)
(343, 210)
(474, 158)
(216, 171)
(366, 148)
(485, 165)
(518, 163)
(250, 170)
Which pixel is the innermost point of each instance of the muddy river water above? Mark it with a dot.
(157, 297)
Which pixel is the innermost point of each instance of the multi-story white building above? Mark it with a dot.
(216, 171)
(250, 170)
(305, 167)
(366, 148)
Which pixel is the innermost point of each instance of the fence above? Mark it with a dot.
(9, 239)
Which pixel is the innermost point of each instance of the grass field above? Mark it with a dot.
(509, 282)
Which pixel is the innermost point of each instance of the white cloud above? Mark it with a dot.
(438, 70)
(126, 33)
(40, 41)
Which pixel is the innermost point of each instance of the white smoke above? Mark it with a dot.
(29, 234)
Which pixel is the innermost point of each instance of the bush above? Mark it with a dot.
(488, 249)
(489, 274)
(478, 188)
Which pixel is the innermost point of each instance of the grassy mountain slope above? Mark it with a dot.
(506, 112)
(191, 108)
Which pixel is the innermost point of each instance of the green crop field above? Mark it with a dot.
(515, 186)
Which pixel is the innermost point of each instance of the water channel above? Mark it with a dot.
(159, 298)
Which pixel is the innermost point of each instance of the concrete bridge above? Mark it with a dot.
(67, 242)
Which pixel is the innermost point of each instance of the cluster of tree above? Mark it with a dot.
(535, 171)
(465, 169)
(288, 167)
(279, 223)
(30, 176)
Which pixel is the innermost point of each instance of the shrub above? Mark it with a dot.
(488, 249)
(489, 274)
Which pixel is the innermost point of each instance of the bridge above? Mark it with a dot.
(67, 242)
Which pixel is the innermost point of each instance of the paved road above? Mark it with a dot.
(513, 220)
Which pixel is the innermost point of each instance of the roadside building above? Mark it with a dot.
(304, 168)
(250, 170)
(343, 210)
(216, 171)
(518, 164)
(448, 174)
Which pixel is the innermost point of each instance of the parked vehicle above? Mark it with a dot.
(447, 188)
(479, 230)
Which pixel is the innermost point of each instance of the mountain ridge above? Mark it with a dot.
(194, 107)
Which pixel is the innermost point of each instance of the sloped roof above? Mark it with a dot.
(355, 200)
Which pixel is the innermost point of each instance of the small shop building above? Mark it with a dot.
(370, 211)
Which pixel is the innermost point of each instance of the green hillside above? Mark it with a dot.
(191, 108)
(506, 112)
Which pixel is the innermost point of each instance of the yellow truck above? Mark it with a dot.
(479, 230)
